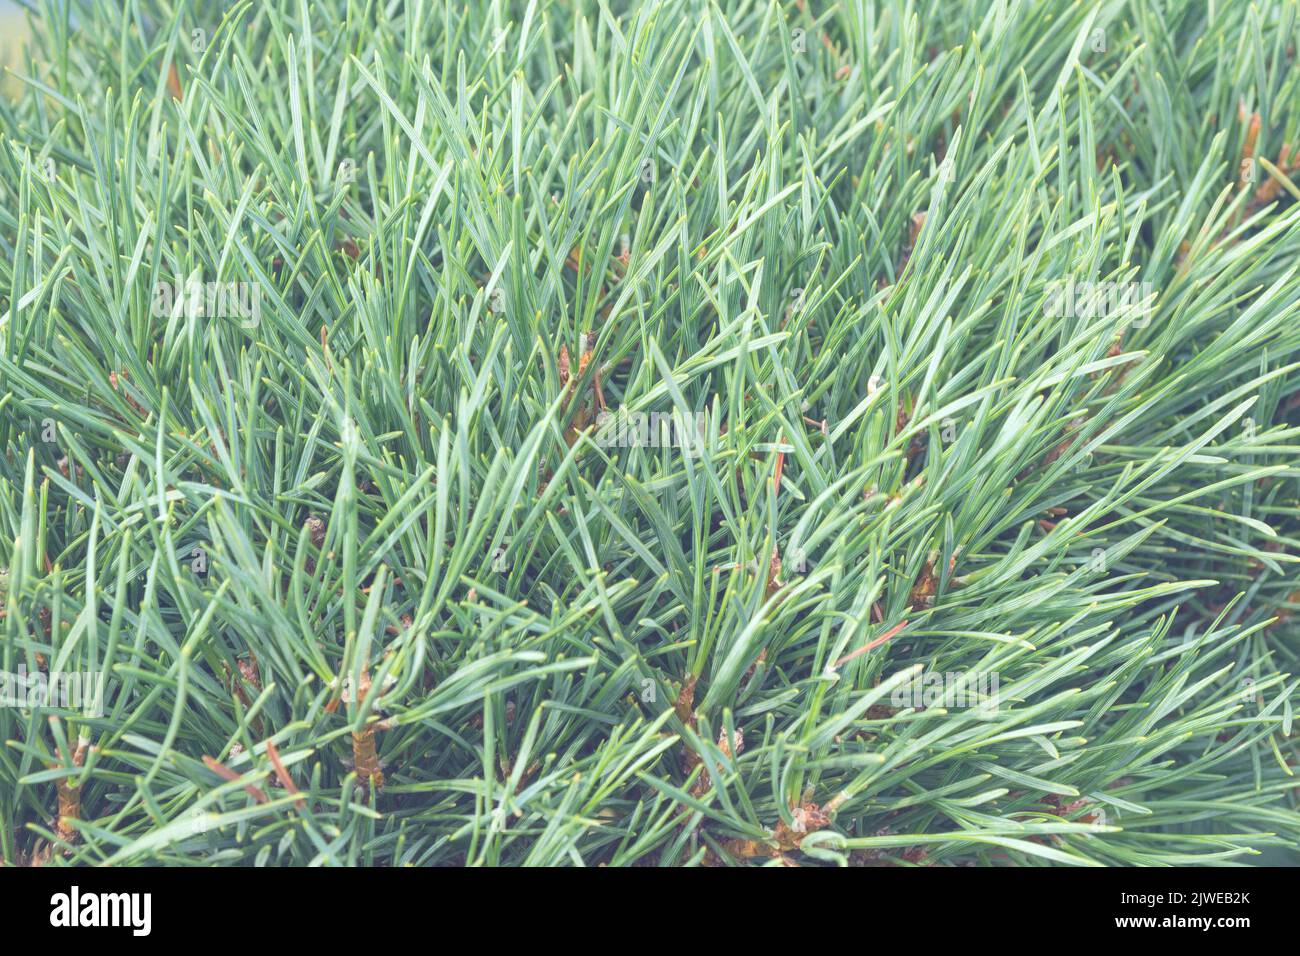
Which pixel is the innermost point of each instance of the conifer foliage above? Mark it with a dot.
(650, 432)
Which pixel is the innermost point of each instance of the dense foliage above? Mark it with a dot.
(580, 432)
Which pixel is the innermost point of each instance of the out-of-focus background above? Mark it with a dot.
(13, 36)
